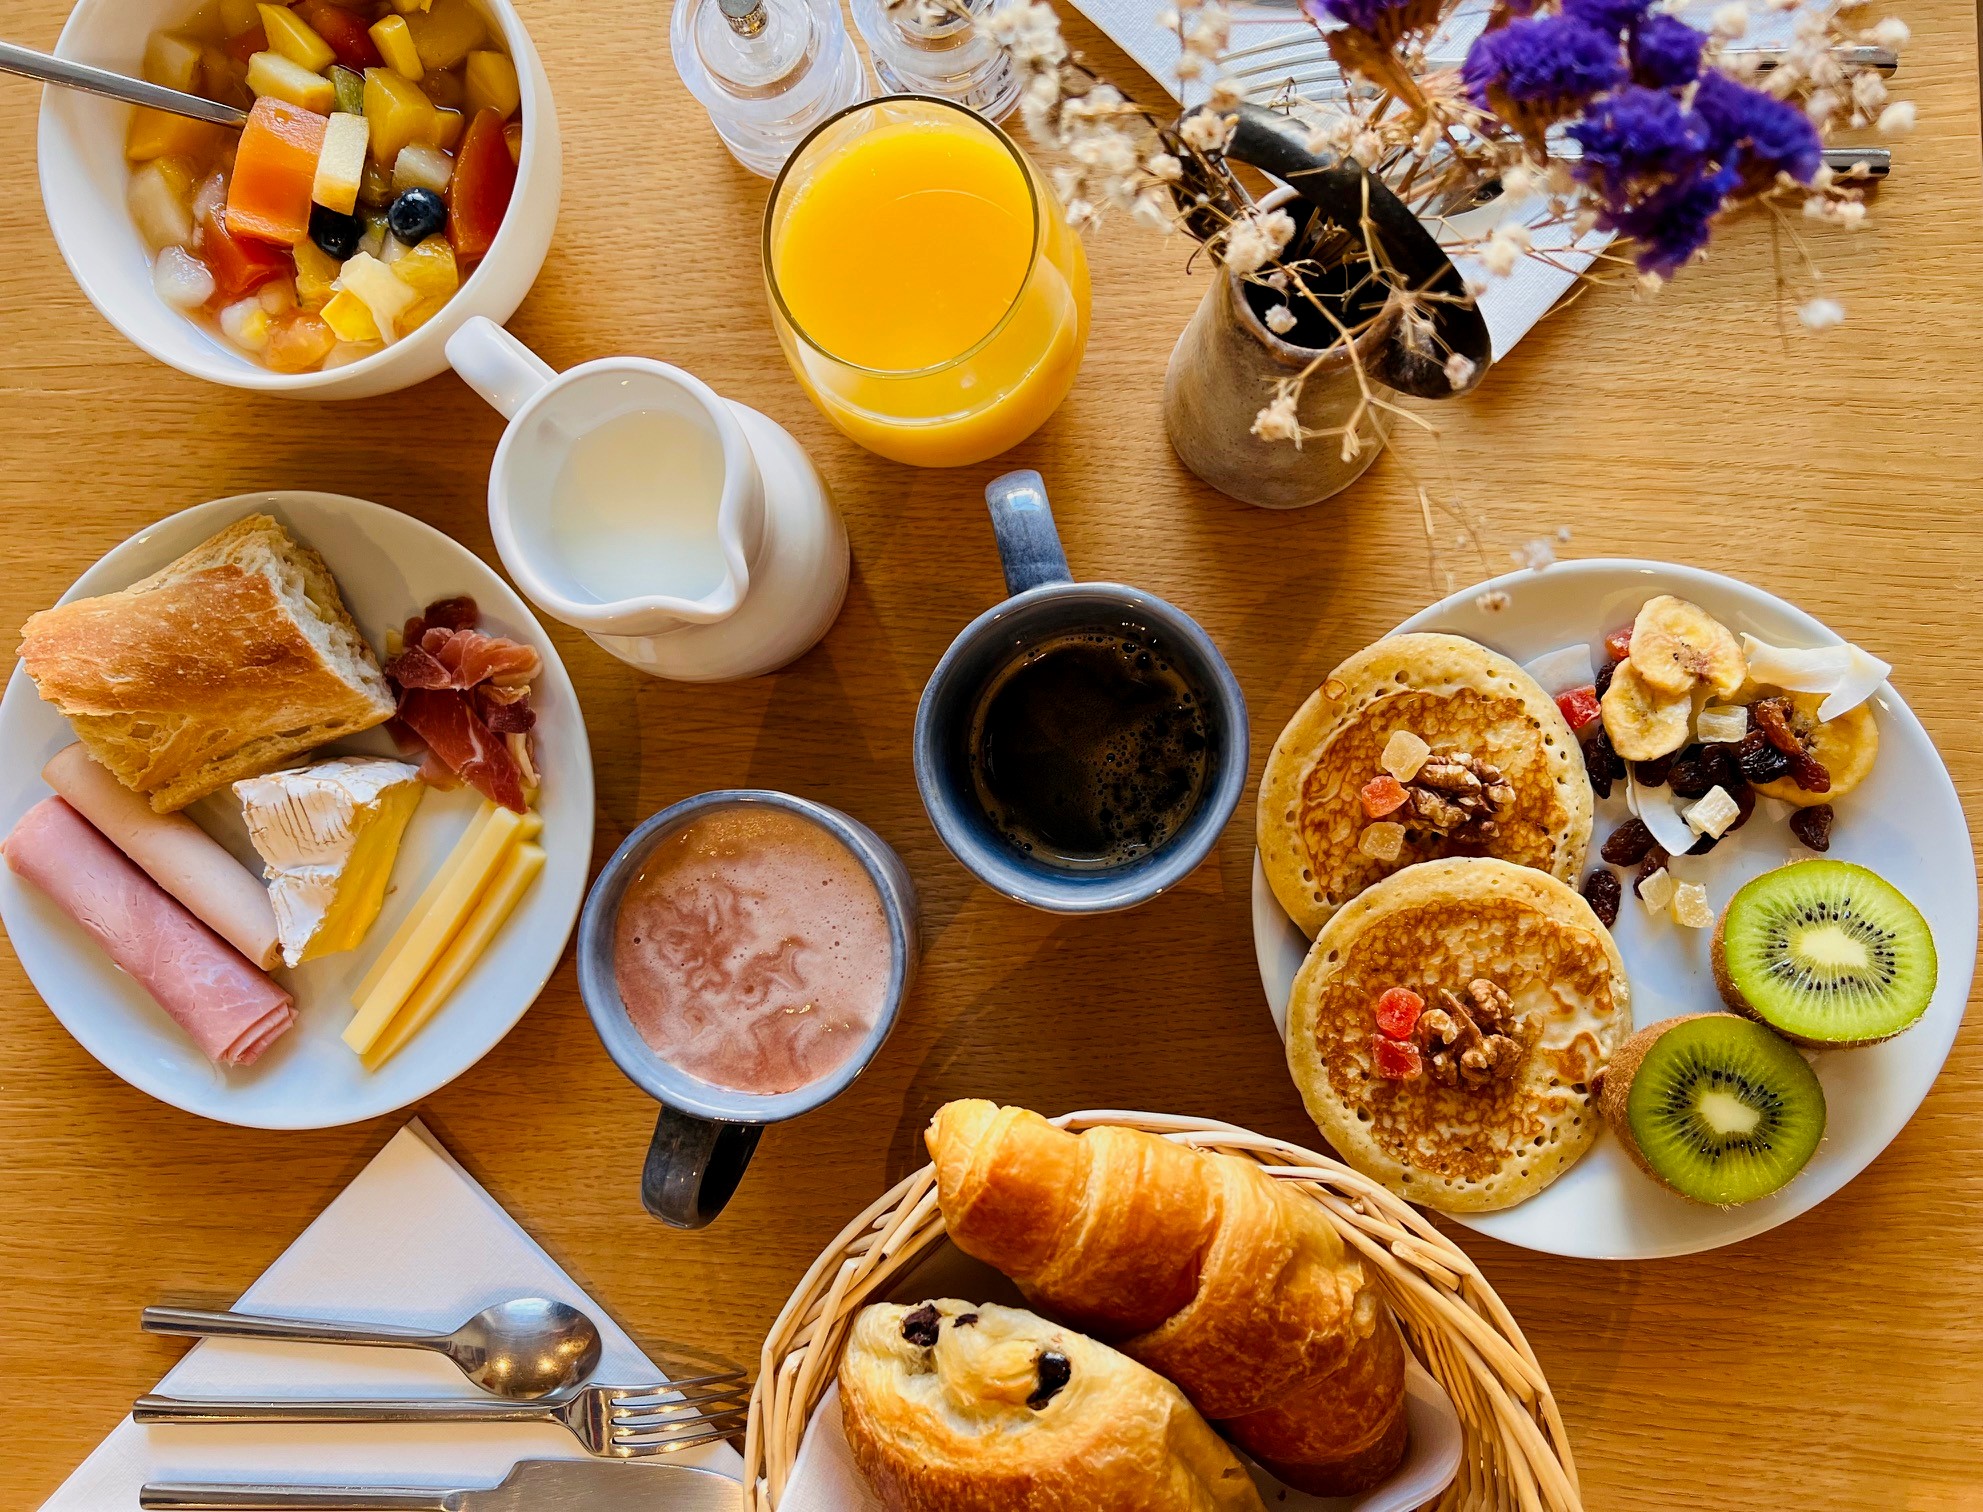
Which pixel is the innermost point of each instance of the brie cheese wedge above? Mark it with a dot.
(327, 835)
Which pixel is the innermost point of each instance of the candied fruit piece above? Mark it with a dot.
(1382, 841)
(1578, 706)
(1721, 724)
(1774, 717)
(1656, 891)
(1383, 795)
(1618, 644)
(1603, 892)
(1690, 906)
(1813, 826)
(1655, 860)
(1713, 814)
(1404, 754)
(1397, 1012)
(1397, 1060)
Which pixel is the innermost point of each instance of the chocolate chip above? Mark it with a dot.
(920, 1326)
(966, 1320)
(1055, 1373)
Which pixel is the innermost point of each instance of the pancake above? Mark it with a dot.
(1454, 695)
(1442, 924)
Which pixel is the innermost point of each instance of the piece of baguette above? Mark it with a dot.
(225, 664)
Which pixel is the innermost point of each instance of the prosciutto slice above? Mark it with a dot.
(444, 718)
(228, 1008)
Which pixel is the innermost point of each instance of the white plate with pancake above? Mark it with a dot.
(388, 567)
(1905, 822)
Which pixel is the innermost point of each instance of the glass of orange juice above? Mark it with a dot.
(928, 292)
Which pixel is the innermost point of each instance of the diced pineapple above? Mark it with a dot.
(237, 16)
(396, 111)
(491, 83)
(419, 314)
(174, 61)
(292, 36)
(395, 45)
(316, 275)
(421, 167)
(429, 269)
(180, 174)
(299, 341)
(271, 74)
(156, 134)
(393, 251)
(350, 87)
(447, 130)
(384, 295)
(246, 324)
(350, 317)
(161, 211)
(446, 32)
(341, 163)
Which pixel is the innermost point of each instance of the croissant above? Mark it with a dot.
(951, 1407)
(1201, 1267)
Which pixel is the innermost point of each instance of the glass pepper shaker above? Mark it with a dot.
(925, 49)
(767, 71)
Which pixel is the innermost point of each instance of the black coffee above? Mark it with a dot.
(1090, 750)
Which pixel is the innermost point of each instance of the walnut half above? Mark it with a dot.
(1467, 1043)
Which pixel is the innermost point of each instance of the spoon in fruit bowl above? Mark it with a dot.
(30, 64)
(523, 1349)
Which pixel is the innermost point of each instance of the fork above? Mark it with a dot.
(612, 1422)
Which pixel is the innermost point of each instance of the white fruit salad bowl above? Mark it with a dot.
(85, 180)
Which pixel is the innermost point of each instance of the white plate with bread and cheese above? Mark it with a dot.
(330, 937)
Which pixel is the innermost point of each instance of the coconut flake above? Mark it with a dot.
(1656, 811)
(1561, 670)
(1864, 674)
(1814, 669)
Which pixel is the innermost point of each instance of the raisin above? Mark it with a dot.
(1652, 773)
(1604, 677)
(1703, 843)
(1601, 762)
(1628, 843)
(920, 1326)
(1745, 803)
(1656, 859)
(1602, 892)
(1759, 761)
(1773, 716)
(1688, 776)
(1813, 826)
(1054, 1373)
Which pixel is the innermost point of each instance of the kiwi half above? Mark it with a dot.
(1825, 953)
(1716, 1107)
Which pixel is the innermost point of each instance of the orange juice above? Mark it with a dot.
(928, 293)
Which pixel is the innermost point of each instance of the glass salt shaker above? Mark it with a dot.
(923, 49)
(767, 71)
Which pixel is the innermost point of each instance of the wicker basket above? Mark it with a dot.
(1517, 1452)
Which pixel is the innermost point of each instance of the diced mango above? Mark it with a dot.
(448, 125)
(396, 111)
(350, 317)
(316, 275)
(408, 7)
(237, 16)
(156, 134)
(446, 32)
(384, 295)
(341, 163)
(395, 45)
(174, 61)
(292, 36)
(272, 75)
(429, 269)
(490, 79)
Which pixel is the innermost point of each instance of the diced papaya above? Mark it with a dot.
(490, 80)
(271, 74)
(239, 265)
(446, 32)
(274, 167)
(295, 39)
(484, 180)
(298, 341)
(156, 134)
(396, 111)
(344, 31)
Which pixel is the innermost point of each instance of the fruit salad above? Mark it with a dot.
(376, 167)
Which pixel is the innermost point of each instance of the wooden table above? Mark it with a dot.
(1835, 1363)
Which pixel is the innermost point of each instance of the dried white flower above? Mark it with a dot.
(1505, 248)
(1226, 95)
(1254, 240)
(1869, 91)
(1280, 319)
(1491, 602)
(1367, 147)
(1030, 33)
(1278, 421)
(1332, 135)
(1152, 208)
(1731, 20)
(1459, 370)
(1188, 66)
(1518, 180)
(1563, 533)
(1897, 117)
(1821, 314)
(1891, 33)
(1079, 213)
(1161, 165)
(1208, 131)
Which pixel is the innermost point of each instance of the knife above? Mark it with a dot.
(532, 1486)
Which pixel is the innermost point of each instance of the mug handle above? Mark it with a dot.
(1028, 545)
(693, 1167)
(496, 365)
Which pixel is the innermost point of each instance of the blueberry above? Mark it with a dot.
(416, 215)
(335, 232)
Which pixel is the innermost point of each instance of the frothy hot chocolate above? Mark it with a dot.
(752, 950)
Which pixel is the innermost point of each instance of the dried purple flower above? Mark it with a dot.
(1671, 224)
(1758, 135)
(1613, 16)
(1633, 138)
(1537, 71)
(1665, 52)
(1386, 20)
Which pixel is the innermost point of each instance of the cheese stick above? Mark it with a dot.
(424, 905)
(174, 852)
(490, 914)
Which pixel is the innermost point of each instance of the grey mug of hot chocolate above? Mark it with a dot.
(743, 955)
(1080, 746)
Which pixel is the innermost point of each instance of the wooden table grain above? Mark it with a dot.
(1834, 1363)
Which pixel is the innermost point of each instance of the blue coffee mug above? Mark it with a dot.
(1045, 603)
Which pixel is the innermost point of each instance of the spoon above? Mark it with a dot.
(521, 1349)
(30, 64)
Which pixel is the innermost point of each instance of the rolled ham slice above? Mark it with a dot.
(231, 1011)
(174, 852)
